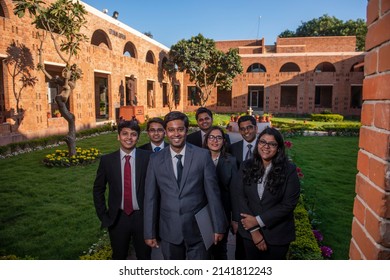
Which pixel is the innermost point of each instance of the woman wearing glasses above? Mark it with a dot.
(267, 191)
(226, 167)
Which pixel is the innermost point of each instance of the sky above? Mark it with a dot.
(172, 20)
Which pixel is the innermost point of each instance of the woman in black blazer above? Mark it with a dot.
(268, 190)
(226, 168)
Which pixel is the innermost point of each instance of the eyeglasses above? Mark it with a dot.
(249, 128)
(215, 138)
(158, 130)
(264, 143)
(179, 129)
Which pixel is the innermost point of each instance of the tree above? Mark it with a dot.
(19, 62)
(149, 34)
(62, 21)
(206, 66)
(331, 26)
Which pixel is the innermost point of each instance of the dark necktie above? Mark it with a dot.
(157, 149)
(249, 153)
(179, 167)
(127, 193)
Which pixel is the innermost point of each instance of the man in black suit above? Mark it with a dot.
(124, 171)
(156, 133)
(204, 118)
(243, 150)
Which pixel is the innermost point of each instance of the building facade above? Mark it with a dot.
(122, 67)
(294, 76)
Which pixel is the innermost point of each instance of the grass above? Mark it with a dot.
(329, 166)
(48, 213)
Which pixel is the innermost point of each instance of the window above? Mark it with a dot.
(323, 97)
(193, 98)
(176, 94)
(150, 57)
(256, 67)
(256, 97)
(288, 96)
(224, 97)
(358, 67)
(356, 97)
(130, 50)
(2, 97)
(165, 96)
(290, 67)
(325, 67)
(100, 39)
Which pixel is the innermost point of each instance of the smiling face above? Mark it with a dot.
(267, 148)
(248, 131)
(176, 133)
(204, 121)
(215, 140)
(128, 138)
(156, 133)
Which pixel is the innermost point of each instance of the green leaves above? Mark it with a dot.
(206, 66)
(331, 26)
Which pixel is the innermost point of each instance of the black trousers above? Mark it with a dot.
(127, 228)
(273, 252)
(219, 251)
(239, 254)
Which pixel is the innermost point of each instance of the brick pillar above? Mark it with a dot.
(371, 222)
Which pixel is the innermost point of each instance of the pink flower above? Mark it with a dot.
(318, 235)
(300, 175)
(288, 144)
(299, 170)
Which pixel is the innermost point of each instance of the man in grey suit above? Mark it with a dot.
(181, 180)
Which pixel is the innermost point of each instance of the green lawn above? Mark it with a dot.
(48, 213)
(329, 166)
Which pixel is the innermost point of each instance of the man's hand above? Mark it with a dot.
(151, 243)
(217, 237)
(248, 221)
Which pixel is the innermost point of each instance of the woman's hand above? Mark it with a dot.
(248, 221)
(258, 240)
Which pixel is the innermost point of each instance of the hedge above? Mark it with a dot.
(326, 117)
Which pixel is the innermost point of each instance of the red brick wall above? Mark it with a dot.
(371, 222)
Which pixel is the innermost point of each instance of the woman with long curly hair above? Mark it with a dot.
(267, 191)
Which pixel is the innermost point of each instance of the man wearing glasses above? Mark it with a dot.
(243, 150)
(156, 133)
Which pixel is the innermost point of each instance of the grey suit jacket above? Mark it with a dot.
(177, 205)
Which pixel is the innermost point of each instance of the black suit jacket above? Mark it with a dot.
(148, 146)
(196, 139)
(109, 173)
(236, 150)
(276, 210)
(226, 171)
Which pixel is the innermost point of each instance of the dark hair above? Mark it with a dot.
(154, 120)
(246, 118)
(201, 110)
(223, 148)
(176, 115)
(254, 168)
(133, 125)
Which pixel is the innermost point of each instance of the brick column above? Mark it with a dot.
(371, 222)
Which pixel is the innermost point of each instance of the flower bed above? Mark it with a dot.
(60, 158)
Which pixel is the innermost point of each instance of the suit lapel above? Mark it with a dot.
(168, 163)
(116, 169)
(138, 164)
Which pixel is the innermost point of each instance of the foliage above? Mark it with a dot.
(305, 246)
(331, 26)
(62, 21)
(100, 250)
(326, 117)
(206, 66)
(61, 158)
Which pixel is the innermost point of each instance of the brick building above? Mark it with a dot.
(295, 76)
(120, 64)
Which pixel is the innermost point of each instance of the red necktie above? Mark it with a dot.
(127, 195)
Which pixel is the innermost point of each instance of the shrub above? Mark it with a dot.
(326, 117)
(305, 246)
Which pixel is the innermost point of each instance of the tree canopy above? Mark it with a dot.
(331, 26)
(206, 66)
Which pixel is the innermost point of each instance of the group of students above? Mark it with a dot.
(155, 190)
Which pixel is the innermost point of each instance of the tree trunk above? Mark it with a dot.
(70, 138)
